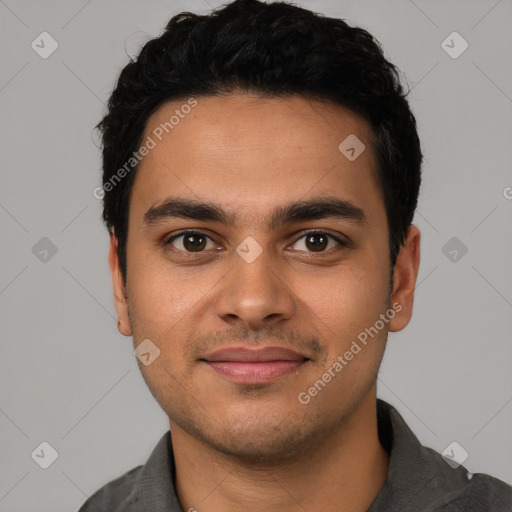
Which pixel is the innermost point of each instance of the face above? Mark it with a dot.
(249, 271)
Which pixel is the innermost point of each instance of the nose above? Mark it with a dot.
(253, 294)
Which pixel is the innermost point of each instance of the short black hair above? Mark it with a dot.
(272, 50)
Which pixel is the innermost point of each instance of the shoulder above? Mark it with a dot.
(116, 494)
(147, 487)
(455, 490)
(421, 477)
(482, 493)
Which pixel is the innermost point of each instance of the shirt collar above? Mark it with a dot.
(416, 474)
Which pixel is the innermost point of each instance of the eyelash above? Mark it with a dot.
(341, 242)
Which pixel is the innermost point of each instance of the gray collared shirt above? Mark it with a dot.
(419, 479)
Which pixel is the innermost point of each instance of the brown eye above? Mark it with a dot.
(190, 241)
(317, 242)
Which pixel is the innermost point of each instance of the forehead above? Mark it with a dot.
(254, 153)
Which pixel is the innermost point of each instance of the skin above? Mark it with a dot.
(240, 447)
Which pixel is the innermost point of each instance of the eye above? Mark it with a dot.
(317, 241)
(190, 241)
(196, 242)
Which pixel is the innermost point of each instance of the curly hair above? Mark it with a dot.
(273, 50)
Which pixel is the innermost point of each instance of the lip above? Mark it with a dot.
(251, 355)
(254, 366)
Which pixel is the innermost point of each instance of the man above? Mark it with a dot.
(261, 172)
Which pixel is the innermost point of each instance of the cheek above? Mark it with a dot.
(167, 302)
(157, 301)
(347, 311)
(345, 301)
(160, 308)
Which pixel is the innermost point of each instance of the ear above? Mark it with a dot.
(404, 279)
(120, 300)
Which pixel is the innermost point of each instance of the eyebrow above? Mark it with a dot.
(311, 209)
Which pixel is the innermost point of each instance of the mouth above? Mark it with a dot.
(248, 366)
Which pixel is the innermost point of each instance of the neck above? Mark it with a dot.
(344, 471)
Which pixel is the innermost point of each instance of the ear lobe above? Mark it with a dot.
(404, 278)
(120, 299)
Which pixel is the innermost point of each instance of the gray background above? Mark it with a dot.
(67, 376)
